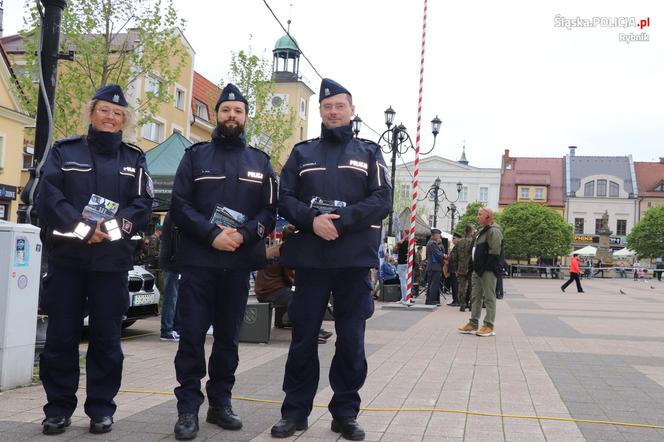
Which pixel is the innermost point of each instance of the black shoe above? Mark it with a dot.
(224, 417)
(348, 427)
(453, 304)
(55, 425)
(100, 424)
(462, 309)
(325, 334)
(186, 427)
(562, 289)
(287, 427)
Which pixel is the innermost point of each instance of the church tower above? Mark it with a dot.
(290, 89)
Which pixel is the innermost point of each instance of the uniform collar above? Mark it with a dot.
(341, 134)
(104, 142)
(228, 142)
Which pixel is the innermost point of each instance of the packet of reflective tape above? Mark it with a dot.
(227, 217)
(100, 208)
(326, 206)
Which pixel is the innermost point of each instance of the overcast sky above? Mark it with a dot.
(499, 74)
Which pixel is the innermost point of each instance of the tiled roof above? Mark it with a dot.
(648, 176)
(584, 166)
(206, 92)
(535, 172)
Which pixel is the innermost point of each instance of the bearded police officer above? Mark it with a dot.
(224, 203)
(335, 190)
(95, 194)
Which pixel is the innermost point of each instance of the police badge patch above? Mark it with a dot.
(231, 96)
(260, 229)
(127, 226)
(116, 98)
(327, 92)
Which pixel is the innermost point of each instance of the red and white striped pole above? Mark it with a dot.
(413, 210)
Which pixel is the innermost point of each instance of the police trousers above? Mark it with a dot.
(217, 297)
(352, 306)
(68, 294)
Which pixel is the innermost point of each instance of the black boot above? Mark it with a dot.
(55, 425)
(287, 427)
(186, 427)
(224, 417)
(348, 427)
(101, 424)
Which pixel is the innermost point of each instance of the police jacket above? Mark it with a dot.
(488, 250)
(98, 163)
(335, 167)
(435, 255)
(223, 172)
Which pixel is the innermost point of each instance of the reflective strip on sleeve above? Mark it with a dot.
(140, 180)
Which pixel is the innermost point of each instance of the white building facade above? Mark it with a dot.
(477, 184)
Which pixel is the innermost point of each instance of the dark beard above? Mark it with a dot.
(230, 132)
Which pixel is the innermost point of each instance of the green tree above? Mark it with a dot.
(405, 201)
(114, 41)
(531, 229)
(271, 123)
(647, 237)
(468, 217)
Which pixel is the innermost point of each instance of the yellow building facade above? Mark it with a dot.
(13, 121)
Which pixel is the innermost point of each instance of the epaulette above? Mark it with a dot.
(68, 140)
(311, 140)
(258, 150)
(133, 146)
(368, 141)
(195, 146)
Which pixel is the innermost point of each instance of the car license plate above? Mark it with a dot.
(142, 299)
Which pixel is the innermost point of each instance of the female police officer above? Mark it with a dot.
(94, 195)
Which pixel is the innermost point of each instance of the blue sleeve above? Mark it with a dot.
(139, 206)
(257, 228)
(295, 211)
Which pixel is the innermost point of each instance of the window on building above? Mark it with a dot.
(179, 98)
(484, 194)
(201, 110)
(578, 226)
(601, 187)
(431, 220)
(303, 108)
(153, 131)
(301, 133)
(589, 189)
(153, 84)
(614, 189)
(598, 225)
(27, 161)
(463, 195)
(621, 227)
(539, 193)
(405, 189)
(524, 194)
(659, 187)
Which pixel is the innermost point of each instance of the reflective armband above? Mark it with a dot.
(113, 229)
(82, 231)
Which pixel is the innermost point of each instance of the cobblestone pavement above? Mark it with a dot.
(596, 356)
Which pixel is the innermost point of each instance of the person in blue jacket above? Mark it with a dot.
(224, 203)
(336, 191)
(95, 193)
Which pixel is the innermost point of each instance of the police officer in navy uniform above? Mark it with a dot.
(336, 190)
(88, 260)
(224, 176)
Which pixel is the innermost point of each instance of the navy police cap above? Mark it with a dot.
(435, 230)
(230, 93)
(111, 93)
(329, 88)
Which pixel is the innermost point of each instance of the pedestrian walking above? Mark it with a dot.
(170, 272)
(574, 274)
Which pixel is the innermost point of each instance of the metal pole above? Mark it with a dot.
(453, 211)
(395, 148)
(50, 36)
(435, 205)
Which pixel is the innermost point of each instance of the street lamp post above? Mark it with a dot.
(433, 194)
(396, 140)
